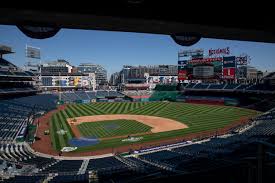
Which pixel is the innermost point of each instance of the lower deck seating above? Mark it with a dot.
(26, 179)
(104, 163)
(64, 166)
(70, 178)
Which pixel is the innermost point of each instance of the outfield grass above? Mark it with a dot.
(111, 128)
(198, 117)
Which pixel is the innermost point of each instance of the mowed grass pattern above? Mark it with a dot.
(198, 117)
(103, 129)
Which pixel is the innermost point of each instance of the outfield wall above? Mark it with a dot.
(208, 100)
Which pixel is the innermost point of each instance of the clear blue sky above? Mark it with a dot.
(114, 49)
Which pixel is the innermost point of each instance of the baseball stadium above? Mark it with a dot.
(207, 117)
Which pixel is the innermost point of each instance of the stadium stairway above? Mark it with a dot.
(87, 96)
(83, 167)
(77, 96)
(127, 162)
(50, 177)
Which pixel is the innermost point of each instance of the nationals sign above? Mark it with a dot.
(219, 51)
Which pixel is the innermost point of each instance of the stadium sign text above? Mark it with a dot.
(219, 51)
(186, 53)
(241, 60)
(206, 60)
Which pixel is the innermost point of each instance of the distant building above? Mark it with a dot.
(251, 73)
(248, 74)
(71, 81)
(269, 79)
(141, 74)
(99, 71)
(114, 79)
(56, 67)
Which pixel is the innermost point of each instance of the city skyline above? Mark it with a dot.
(112, 50)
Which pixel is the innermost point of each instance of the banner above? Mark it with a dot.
(63, 82)
(241, 60)
(182, 63)
(229, 73)
(186, 53)
(32, 52)
(219, 51)
(205, 60)
(76, 81)
(182, 75)
(229, 62)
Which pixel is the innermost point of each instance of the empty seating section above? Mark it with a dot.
(83, 95)
(14, 113)
(242, 86)
(21, 73)
(190, 85)
(18, 153)
(266, 128)
(26, 179)
(40, 162)
(216, 86)
(40, 102)
(105, 163)
(191, 150)
(231, 86)
(202, 164)
(160, 155)
(201, 86)
(92, 95)
(140, 163)
(70, 97)
(10, 126)
(16, 90)
(115, 94)
(260, 87)
(168, 158)
(102, 93)
(88, 95)
(248, 87)
(71, 166)
(5, 73)
(138, 93)
(70, 178)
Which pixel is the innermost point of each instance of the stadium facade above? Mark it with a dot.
(61, 74)
(56, 67)
(69, 81)
(221, 144)
(146, 77)
(13, 80)
(99, 71)
(217, 66)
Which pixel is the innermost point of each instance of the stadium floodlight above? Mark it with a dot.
(186, 39)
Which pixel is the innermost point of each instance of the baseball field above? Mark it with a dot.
(113, 122)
